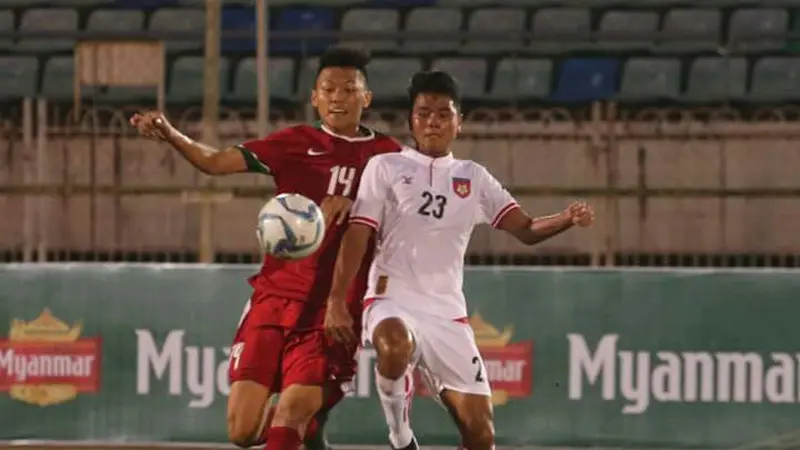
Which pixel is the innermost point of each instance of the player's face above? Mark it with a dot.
(435, 122)
(340, 96)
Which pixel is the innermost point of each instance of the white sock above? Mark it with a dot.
(395, 396)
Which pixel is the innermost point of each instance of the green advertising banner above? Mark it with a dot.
(576, 357)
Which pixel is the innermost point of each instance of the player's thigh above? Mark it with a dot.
(451, 357)
(305, 371)
(254, 373)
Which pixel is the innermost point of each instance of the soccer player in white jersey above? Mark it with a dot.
(423, 204)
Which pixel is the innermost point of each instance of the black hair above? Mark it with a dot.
(434, 82)
(344, 57)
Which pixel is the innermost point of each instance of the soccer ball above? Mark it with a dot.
(290, 226)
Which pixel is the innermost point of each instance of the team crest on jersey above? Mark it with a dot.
(462, 187)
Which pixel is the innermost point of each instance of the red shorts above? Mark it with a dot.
(277, 357)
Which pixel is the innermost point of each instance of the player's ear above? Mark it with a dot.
(314, 99)
(459, 121)
(367, 98)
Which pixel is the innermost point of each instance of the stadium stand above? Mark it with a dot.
(599, 49)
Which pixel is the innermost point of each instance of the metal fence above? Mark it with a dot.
(691, 187)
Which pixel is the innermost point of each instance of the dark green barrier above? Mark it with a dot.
(635, 358)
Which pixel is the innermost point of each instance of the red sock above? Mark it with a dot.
(282, 438)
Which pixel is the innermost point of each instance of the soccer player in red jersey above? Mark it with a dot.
(280, 345)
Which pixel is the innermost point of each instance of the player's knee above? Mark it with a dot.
(479, 431)
(248, 411)
(395, 347)
(297, 405)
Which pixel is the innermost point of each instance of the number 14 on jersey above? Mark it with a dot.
(342, 180)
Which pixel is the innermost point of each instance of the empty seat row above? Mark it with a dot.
(573, 80)
(554, 29)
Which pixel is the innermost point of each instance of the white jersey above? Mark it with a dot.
(424, 210)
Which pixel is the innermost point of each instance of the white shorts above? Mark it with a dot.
(445, 350)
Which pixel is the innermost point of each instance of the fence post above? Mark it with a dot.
(28, 201)
(41, 174)
(210, 121)
(611, 203)
(261, 67)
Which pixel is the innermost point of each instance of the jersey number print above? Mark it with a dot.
(433, 205)
(341, 176)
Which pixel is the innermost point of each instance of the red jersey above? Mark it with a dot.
(314, 162)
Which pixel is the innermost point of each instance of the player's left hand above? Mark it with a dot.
(581, 214)
(335, 208)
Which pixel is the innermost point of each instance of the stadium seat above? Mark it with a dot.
(746, 24)
(400, 3)
(559, 30)
(145, 4)
(78, 3)
(522, 79)
(186, 79)
(48, 19)
(18, 77)
(646, 79)
(389, 77)
(307, 19)
(775, 79)
(628, 30)
(360, 20)
(7, 25)
(245, 81)
(586, 79)
(180, 20)
(306, 74)
(240, 20)
(717, 79)
(58, 78)
(115, 20)
(432, 20)
(470, 73)
(502, 21)
(697, 30)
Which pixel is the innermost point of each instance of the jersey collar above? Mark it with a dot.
(427, 160)
(368, 134)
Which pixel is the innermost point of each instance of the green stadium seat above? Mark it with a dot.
(77, 3)
(470, 73)
(48, 19)
(180, 20)
(558, 30)
(627, 30)
(699, 30)
(647, 79)
(505, 21)
(746, 23)
(522, 79)
(717, 79)
(389, 77)
(186, 79)
(6, 24)
(245, 81)
(18, 77)
(58, 78)
(466, 3)
(436, 20)
(775, 79)
(115, 20)
(371, 21)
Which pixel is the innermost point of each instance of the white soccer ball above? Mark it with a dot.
(290, 226)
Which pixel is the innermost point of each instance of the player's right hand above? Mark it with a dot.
(152, 124)
(339, 323)
(335, 208)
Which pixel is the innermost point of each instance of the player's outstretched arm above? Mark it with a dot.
(205, 158)
(532, 230)
(356, 241)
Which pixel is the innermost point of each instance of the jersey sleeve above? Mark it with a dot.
(495, 200)
(268, 155)
(369, 203)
